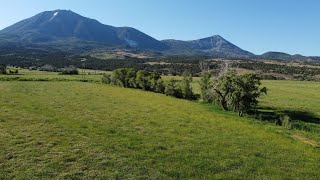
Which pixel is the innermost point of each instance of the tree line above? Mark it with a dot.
(151, 81)
(233, 92)
(300, 73)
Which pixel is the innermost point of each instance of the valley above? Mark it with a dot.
(81, 99)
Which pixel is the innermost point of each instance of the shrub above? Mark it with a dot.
(13, 71)
(205, 83)
(3, 69)
(186, 88)
(160, 87)
(172, 89)
(71, 70)
(49, 68)
(106, 78)
(125, 77)
(143, 80)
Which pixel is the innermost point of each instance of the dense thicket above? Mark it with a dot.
(234, 92)
(150, 81)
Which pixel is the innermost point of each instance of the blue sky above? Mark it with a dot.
(291, 26)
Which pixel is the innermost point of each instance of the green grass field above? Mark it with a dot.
(25, 74)
(71, 129)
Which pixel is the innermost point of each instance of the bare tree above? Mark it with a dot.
(224, 68)
(204, 66)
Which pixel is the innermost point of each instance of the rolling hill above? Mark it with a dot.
(106, 132)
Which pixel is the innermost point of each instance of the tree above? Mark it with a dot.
(172, 89)
(71, 70)
(143, 79)
(245, 93)
(130, 78)
(48, 67)
(154, 78)
(106, 78)
(238, 92)
(3, 69)
(124, 76)
(13, 71)
(223, 86)
(205, 86)
(186, 88)
(160, 87)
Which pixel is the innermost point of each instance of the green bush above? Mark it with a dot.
(160, 87)
(13, 71)
(186, 88)
(48, 68)
(172, 89)
(106, 78)
(3, 69)
(71, 70)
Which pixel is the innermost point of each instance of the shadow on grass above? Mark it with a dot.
(303, 116)
(277, 116)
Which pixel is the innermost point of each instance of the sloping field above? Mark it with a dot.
(303, 96)
(87, 130)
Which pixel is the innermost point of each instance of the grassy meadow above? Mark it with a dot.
(71, 129)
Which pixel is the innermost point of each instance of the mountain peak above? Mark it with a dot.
(217, 37)
(57, 25)
(54, 15)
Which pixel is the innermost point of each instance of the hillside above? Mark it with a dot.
(214, 46)
(48, 131)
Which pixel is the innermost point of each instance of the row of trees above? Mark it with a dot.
(229, 90)
(300, 73)
(70, 70)
(150, 81)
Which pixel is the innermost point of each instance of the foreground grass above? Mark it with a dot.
(85, 130)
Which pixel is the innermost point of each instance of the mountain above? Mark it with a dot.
(284, 56)
(51, 27)
(214, 46)
(68, 31)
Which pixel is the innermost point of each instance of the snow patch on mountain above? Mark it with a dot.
(54, 15)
